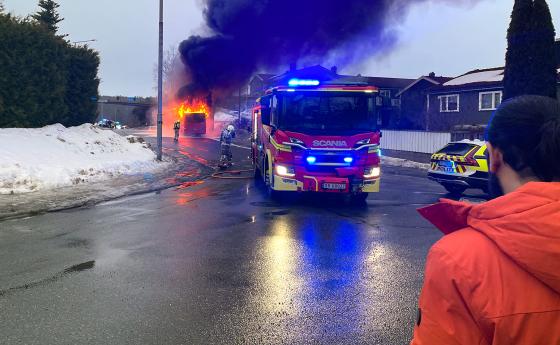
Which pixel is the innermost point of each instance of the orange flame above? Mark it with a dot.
(194, 107)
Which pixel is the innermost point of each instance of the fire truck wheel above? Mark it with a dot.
(359, 198)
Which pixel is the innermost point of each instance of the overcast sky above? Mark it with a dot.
(444, 39)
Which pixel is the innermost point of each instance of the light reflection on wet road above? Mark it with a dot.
(217, 263)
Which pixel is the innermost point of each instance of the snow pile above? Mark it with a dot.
(55, 156)
(398, 162)
(226, 115)
(223, 116)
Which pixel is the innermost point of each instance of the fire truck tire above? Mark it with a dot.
(359, 198)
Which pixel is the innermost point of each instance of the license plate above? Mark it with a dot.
(448, 167)
(334, 186)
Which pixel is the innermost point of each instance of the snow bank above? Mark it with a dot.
(398, 162)
(222, 116)
(225, 115)
(55, 156)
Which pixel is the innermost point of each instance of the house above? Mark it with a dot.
(259, 84)
(468, 99)
(389, 88)
(447, 104)
(414, 98)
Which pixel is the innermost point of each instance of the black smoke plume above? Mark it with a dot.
(253, 35)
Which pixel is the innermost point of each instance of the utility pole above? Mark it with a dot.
(239, 108)
(160, 84)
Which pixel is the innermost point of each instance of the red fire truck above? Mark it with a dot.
(312, 136)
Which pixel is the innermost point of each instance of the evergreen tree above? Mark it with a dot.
(48, 15)
(543, 62)
(530, 52)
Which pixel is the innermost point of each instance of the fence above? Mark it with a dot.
(414, 141)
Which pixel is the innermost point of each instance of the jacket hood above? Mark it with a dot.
(525, 225)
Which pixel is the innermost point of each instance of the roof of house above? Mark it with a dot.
(324, 74)
(478, 76)
(264, 76)
(435, 80)
(381, 82)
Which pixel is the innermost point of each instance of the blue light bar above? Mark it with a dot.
(303, 82)
(348, 160)
(311, 159)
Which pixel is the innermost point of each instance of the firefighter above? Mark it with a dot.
(225, 140)
(176, 128)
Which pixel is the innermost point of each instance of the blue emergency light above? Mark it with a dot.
(348, 160)
(311, 159)
(303, 82)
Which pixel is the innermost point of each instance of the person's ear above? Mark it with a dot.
(495, 158)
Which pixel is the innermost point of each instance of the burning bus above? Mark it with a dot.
(311, 136)
(193, 117)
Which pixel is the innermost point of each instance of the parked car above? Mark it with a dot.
(461, 165)
(104, 123)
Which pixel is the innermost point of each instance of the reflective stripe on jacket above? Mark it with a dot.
(495, 277)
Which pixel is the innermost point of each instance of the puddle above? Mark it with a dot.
(188, 184)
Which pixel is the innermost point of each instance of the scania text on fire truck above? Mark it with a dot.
(317, 137)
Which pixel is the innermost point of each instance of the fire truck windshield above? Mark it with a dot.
(331, 112)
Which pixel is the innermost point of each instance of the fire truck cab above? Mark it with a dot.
(311, 136)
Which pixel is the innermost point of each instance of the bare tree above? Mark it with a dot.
(170, 67)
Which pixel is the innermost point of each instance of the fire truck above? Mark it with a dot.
(312, 136)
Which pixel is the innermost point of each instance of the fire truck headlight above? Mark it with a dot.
(311, 159)
(373, 172)
(285, 171)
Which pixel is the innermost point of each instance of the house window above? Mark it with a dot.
(385, 93)
(449, 103)
(489, 100)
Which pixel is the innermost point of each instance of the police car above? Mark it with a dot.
(460, 165)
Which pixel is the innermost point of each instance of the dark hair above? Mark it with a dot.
(527, 130)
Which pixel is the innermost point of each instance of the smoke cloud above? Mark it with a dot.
(255, 35)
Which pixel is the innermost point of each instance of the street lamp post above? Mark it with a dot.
(160, 84)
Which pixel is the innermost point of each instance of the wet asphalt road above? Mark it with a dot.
(216, 262)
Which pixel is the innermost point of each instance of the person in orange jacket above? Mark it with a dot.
(494, 278)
